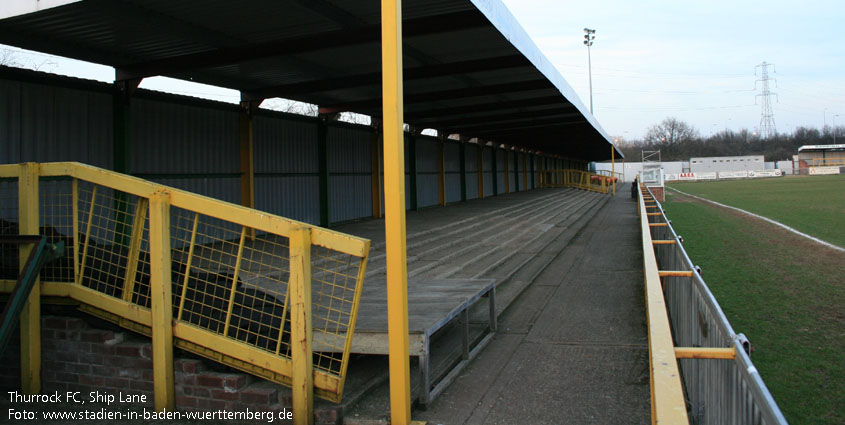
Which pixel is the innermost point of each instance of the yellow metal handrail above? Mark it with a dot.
(576, 178)
(827, 162)
(189, 271)
(667, 395)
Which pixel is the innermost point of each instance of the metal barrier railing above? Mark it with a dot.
(722, 385)
(576, 178)
(233, 282)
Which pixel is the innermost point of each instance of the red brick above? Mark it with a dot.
(225, 395)
(128, 350)
(147, 351)
(188, 365)
(209, 379)
(235, 381)
(70, 378)
(185, 378)
(78, 368)
(54, 322)
(258, 396)
(96, 335)
(147, 374)
(102, 349)
(186, 402)
(327, 417)
(97, 381)
(141, 385)
(209, 404)
(65, 356)
(116, 383)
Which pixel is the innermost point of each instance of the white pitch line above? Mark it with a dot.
(812, 238)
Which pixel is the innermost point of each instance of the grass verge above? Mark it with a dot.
(785, 293)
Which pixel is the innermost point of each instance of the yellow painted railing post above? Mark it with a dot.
(30, 321)
(161, 301)
(613, 167)
(394, 223)
(301, 337)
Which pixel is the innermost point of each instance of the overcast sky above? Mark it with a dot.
(653, 59)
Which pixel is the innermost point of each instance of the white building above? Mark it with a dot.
(727, 163)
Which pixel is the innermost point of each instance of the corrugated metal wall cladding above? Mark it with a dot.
(488, 184)
(349, 150)
(47, 123)
(488, 159)
(453, 187)
(225, 189)
(452, 157)
(292, 197)
(500, 181)
(284, 146)
(426, 155)
(500, 158)
(350, 198)
(471, 159)
(428, 191)
(472, 186)
(175, 138)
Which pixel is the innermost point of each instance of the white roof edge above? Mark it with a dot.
(820, 147)
(12, 8)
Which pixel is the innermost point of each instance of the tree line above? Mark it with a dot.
(679, 141)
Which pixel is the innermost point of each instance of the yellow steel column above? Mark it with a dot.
(375, 170)
(30, 319)
(441, 174)
(301, 336)
(394, 202)
(161, 301)
(613, 168)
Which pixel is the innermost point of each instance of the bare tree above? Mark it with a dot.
(671, 131)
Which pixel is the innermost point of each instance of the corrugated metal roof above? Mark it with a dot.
(469, 66)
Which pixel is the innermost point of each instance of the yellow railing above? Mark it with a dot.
(577, 179)
(827, 162)
(667, 395)
(241, 287)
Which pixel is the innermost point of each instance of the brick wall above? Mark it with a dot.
(78, 357)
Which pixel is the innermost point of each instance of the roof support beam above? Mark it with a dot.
(363, 80)
(446, 95)
(484, 107)
(457, 21)
(499, 118)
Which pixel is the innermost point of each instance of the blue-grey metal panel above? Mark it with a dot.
(296, 197)
(350, 181)
(171, 138)
(452, 166)
(283, 146)
(452, 157)
(515, 171)
(49, 123)
(488, 171)
(348, 195)
(453, 187)
(224, 188)
(500, 169)
(428, 189)
(472, 185)
(471, 159)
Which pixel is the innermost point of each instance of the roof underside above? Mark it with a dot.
(469, 68)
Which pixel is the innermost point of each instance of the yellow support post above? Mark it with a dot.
(394, 223)
(613, 167)
(30, 319)
(441, 174)
(161, 301)
(301, 336)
